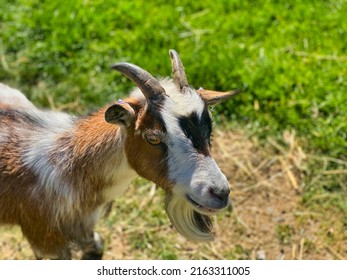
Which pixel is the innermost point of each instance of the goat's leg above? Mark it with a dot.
(93, 247)
(62, 255)
(47, 250)
(47, 243)
(46, 238)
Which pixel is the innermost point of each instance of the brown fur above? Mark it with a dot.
(92, 145)
(149, 161)
(59, 174)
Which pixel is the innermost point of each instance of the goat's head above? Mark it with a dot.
(168, 129)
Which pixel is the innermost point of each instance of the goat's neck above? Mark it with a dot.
(94, 137)
(95, 151)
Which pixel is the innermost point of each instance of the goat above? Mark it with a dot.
(60, 173)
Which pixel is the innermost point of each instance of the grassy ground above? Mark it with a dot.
(288, 58)
(268, 218)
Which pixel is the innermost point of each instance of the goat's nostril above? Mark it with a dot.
(227, 192)
(220, 193)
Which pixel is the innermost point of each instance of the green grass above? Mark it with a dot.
(288, 58)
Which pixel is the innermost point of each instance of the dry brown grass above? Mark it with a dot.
(267, 220)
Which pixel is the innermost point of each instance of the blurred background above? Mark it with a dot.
(282, 143)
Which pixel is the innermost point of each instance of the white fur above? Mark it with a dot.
(123, 175)
(181, 215)
(179, 104)
(98, 241)
(13, 97)
(4, 135)
(37, 158)
(192, 172)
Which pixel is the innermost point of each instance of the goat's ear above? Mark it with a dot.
(213, 97)
(120, 113)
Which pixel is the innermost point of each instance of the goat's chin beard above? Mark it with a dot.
(188, 222)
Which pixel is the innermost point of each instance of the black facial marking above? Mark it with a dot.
(198, 130)
(206, 122)
(203, 222)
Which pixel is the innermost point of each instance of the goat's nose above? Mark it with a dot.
(221, 193)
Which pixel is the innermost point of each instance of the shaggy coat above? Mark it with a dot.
(60, 173)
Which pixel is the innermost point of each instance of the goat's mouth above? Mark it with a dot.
(200, 208)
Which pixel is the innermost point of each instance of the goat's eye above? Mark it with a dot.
(153, 139)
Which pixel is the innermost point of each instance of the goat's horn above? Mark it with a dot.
(149, 85)
(179, 76)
